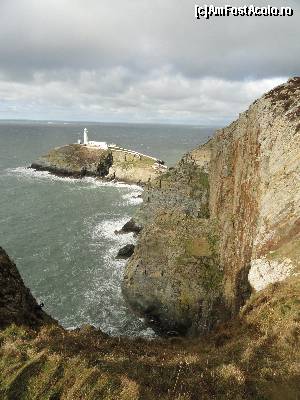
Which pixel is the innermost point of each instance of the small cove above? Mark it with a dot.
(60, 231)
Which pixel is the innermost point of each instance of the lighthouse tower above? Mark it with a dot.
(85, 136)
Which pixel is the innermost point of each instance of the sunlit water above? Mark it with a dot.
(60, 231)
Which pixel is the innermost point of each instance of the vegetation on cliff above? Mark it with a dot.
(255, 356)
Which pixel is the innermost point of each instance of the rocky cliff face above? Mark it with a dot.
(133, 167)
(75, 160)
(224, 222)
(79, 160)
(255, 169)
(17, 305)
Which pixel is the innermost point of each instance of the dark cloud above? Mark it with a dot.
(136, 59)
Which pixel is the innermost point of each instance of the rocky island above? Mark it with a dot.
(101, 160)
(216, 264)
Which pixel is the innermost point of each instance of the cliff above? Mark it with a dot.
(114, 163)
(17, 305)
(255, 356)
(223, 223)
(219, 230)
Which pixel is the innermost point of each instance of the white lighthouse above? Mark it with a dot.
(85, 136)
(91, 143)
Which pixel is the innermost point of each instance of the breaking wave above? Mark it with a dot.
(109, 290)
(85, 250)
(30, 173)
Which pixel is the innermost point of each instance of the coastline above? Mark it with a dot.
(113, 163)
(227, 212)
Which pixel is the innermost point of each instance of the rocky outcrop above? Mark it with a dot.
(75, 160)
(126, 251)
(228, 211)
(113, 164)
(133, 167)
(174, 279)
(130, 226)
(17, 305)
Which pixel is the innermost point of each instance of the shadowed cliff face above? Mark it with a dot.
(223, 223)
(17, 305)
(174, 279)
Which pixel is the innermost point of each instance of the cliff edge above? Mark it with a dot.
(225, 222)
(17, 305)
(254, 356)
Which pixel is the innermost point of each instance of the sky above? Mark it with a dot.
(139, 60)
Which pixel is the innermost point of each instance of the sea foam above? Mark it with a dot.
(26, 172)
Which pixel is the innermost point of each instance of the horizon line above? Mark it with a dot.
(111, 122)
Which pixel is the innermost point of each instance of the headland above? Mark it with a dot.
(100, 160)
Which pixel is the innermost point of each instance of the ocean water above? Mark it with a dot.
(60, 231)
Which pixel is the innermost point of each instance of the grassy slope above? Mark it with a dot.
(74, 155)
(254, 357)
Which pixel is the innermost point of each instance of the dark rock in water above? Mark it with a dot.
(126, 251)
(131, 226)
(17, 305)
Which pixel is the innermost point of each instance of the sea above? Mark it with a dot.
(61, 231)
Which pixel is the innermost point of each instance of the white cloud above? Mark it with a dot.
(138, 60)
(111, 95)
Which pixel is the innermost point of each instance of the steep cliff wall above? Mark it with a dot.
(224, 222)
(174, 278)
(255, 192)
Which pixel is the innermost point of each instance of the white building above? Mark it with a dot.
(87, 142)
(101, 145)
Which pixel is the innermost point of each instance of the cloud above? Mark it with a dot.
(160, 96)
(138, 60)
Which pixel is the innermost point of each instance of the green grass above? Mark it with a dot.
(131, 163)
(253, 357)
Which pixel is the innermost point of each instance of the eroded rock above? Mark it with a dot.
(130, 226)
(126, 251)
(263, 272)
(240, 193)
